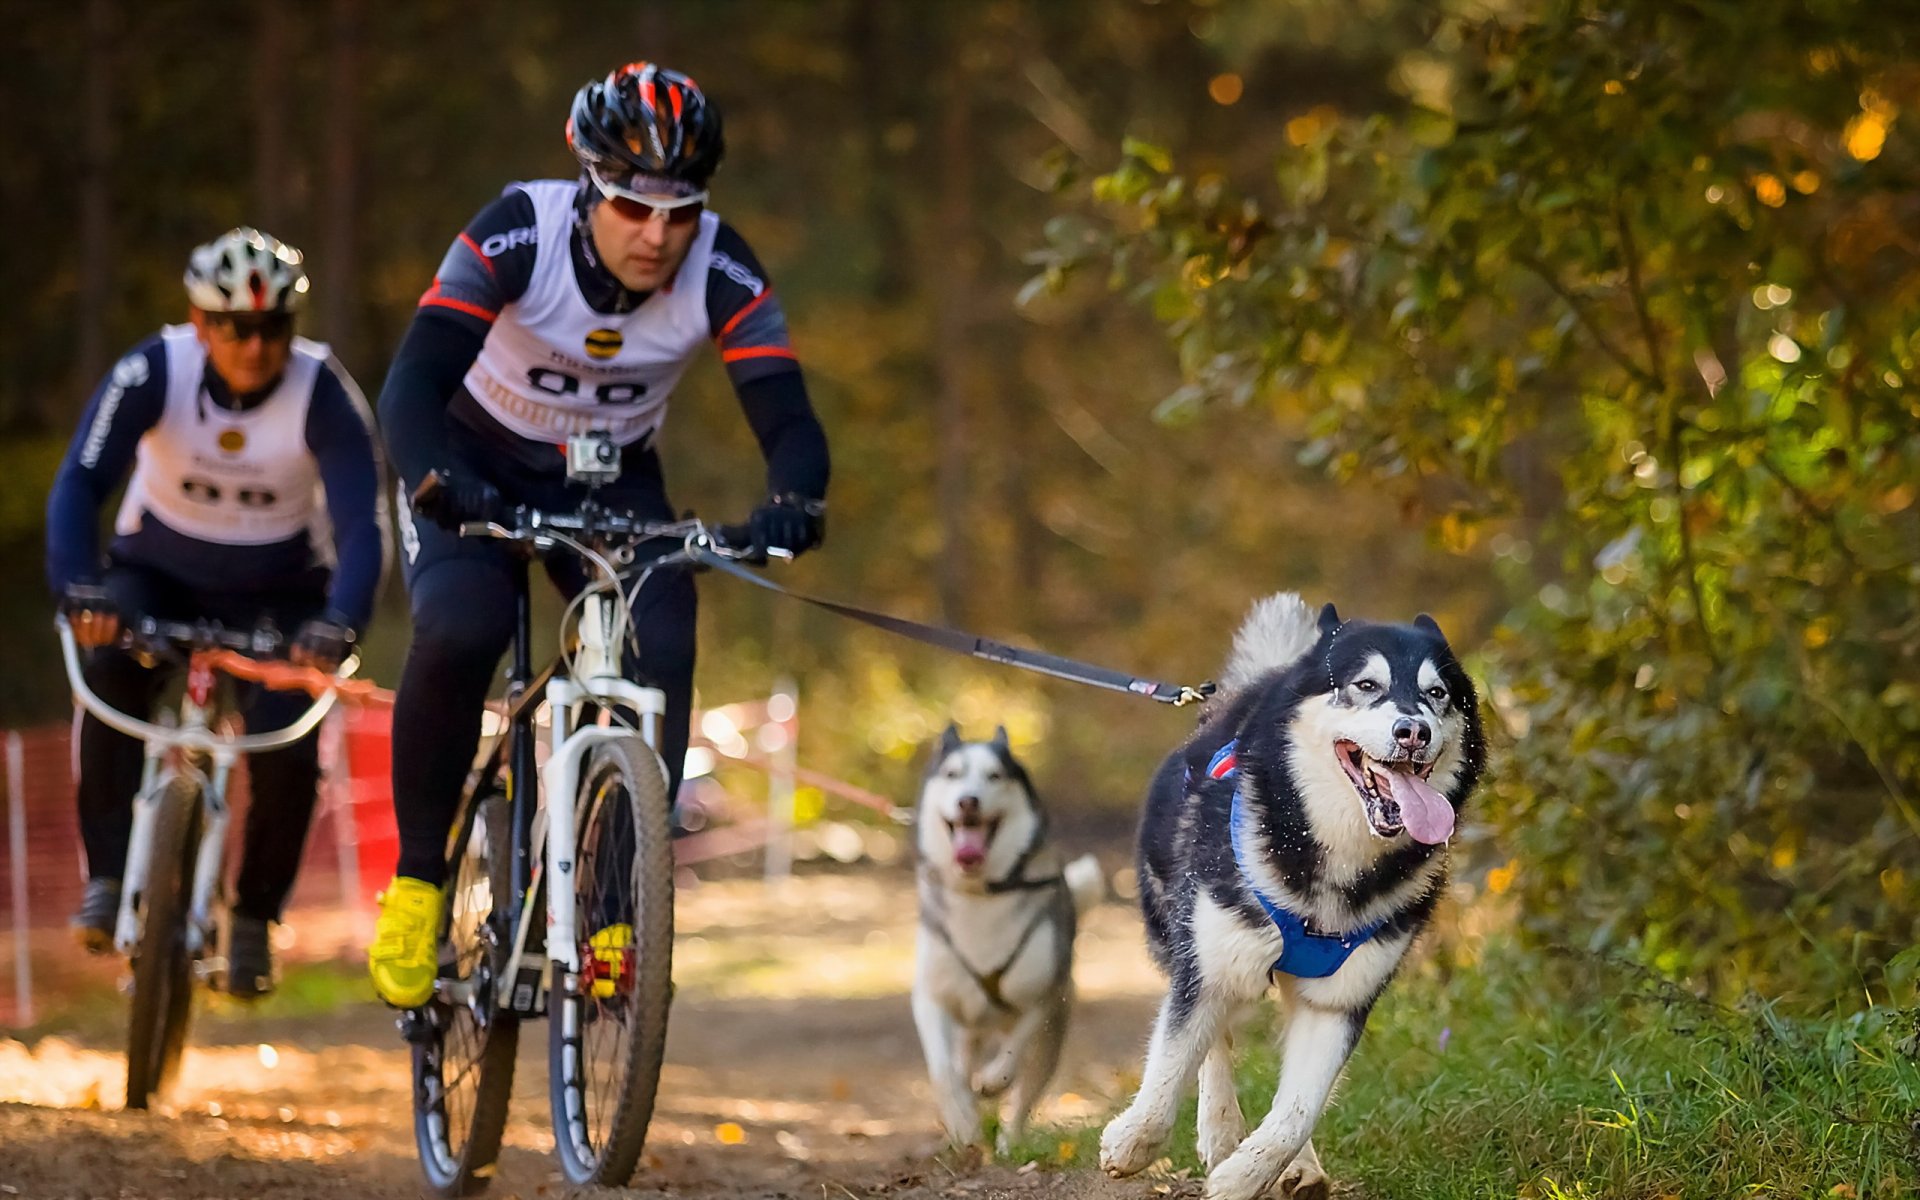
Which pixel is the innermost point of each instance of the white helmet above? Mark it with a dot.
(244, 270)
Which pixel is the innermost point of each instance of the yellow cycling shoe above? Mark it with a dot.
(612, 953)
(404, 957)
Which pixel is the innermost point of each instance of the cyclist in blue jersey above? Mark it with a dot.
(255, 495)
(569, 307)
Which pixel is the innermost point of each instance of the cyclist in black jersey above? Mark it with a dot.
(568, 307)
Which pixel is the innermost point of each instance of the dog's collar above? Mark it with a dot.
(1304, 952)
(1018, 882)
(1014, 881)
(989, 982)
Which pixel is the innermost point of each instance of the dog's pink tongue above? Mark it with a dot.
(969, 845)
(1428, 816)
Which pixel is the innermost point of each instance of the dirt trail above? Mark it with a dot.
(791, 1023)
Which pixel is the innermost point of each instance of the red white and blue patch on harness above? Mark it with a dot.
(1226, 760)
(1304, 953)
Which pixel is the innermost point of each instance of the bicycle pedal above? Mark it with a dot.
(416, 1025)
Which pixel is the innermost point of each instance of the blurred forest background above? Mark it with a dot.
(1589, 327)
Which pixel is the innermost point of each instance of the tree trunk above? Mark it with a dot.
(96, 217)
(1021, 462)
(950, 269)
(338, 274)
(873, 50)
(270, 93)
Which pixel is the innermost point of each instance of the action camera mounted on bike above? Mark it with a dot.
(592, 458)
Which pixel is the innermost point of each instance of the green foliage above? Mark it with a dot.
(1623, 293)
(1534, 1077)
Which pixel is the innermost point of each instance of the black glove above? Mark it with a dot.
(789, 522)
(87, 596)
(324, 641)
(448, 498)
(91, 612)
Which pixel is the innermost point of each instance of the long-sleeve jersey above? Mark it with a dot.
(248, 493)
(524, 337)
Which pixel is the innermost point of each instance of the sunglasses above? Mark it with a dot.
(241, 327)
(640, 207)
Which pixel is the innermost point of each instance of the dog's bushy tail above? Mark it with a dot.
(1085, 881)
(1277, 631)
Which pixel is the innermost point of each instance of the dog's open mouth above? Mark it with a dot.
(1397, 796)
(971, 835)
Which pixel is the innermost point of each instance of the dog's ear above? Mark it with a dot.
(1329, 619)
(1423, 621)
(949, 741)
(1000, 737)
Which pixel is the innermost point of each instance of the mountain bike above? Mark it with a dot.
(172, 901)
(560, 876)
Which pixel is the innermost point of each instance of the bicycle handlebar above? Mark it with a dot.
(215, 651)
(167, 637)
(594, 522)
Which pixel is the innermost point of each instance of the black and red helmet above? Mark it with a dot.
(645, 120)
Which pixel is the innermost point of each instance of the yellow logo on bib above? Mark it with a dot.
(232, 441)
(604, 343)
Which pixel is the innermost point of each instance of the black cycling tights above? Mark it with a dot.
(462, 625)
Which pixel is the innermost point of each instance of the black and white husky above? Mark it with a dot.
(993, 972)
(1298, 841)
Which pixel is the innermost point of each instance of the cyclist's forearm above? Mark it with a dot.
(426, 371)
(73, 536)
(124, 407)
(340, 437)
(790, 436)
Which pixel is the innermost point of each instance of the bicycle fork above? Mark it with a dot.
(556, 833)
(211, 795)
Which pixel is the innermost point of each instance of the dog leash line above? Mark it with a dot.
(1039, 662)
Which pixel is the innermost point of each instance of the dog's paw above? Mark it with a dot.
(996, 1077)
(1243, 1176)
(1303, 1181)
(1128, 1144)
(1219, 1136)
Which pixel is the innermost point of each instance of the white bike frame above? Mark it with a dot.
(597, 680)
(195, 738)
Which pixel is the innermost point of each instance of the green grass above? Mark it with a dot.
(1539, 1079)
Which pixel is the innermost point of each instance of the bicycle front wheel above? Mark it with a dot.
(463, 1043)
(162, 972)
(609, 1022)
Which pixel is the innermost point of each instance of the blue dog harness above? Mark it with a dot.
(1304, 953)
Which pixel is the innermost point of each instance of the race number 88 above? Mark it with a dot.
(206, 491)
(559, 383)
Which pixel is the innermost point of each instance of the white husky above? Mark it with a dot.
(993, 976)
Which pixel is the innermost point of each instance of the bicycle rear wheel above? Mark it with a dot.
(162, 973)
(463, 1044)
(609, 1022)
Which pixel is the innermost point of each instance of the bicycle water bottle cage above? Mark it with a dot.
(592, 458)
